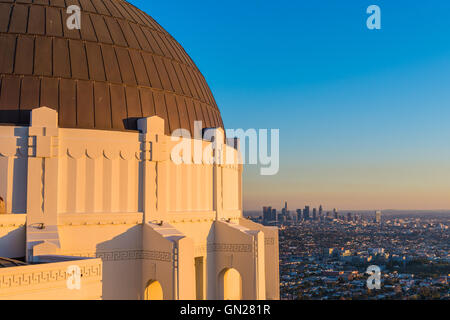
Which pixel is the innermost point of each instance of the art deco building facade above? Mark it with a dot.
(86, 173)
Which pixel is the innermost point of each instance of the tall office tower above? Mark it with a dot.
(335, 213)
(280, 216)
(266, 214)
(299, 214)
(286, 211)
(274, 215)
(292, 216)
(320, 211)
(378, 216)
(314, 214)
(349, 216)
(306, 213)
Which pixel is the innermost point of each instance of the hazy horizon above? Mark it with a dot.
(365, 212)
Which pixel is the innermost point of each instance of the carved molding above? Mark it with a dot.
(269, 241)
(109, 151)
(29, 278)
(223, 247)
(13, 147)
(200, 250)
(12, 220)
(123, 255)
(76, 219)
(8, 146)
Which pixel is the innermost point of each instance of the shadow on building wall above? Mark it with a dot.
(122, 268)
(13, 244)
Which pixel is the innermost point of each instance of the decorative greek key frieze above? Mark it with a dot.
(28, 278)
(157, 255)
(222, 247)
(122, 255)
(200, 250)
(229, 247)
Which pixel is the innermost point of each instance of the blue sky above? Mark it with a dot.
(363, 114)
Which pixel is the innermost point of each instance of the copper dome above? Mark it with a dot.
(121, 65)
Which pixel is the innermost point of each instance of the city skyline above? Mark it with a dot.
(308, 212)
(279, 207)
(362, 113)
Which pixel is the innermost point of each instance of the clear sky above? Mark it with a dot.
(364, 115)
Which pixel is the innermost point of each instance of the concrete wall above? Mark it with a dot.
(12, 235)
(271, 252)
(13, 167)
(116, 239)
(122, 197)
(98, 174)
(239, 248)
(49, 281)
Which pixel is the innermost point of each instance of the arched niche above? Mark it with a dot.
(230, 284)
(153, 291)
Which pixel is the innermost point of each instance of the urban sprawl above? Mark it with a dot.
(326, 254)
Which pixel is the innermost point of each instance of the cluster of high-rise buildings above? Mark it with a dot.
(273, 217)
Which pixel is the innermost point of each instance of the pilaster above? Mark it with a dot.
(154, 168)
(217, 138)
(42, 183)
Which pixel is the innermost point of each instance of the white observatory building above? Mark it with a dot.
(86, 174)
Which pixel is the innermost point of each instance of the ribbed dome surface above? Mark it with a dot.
(121, 65)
